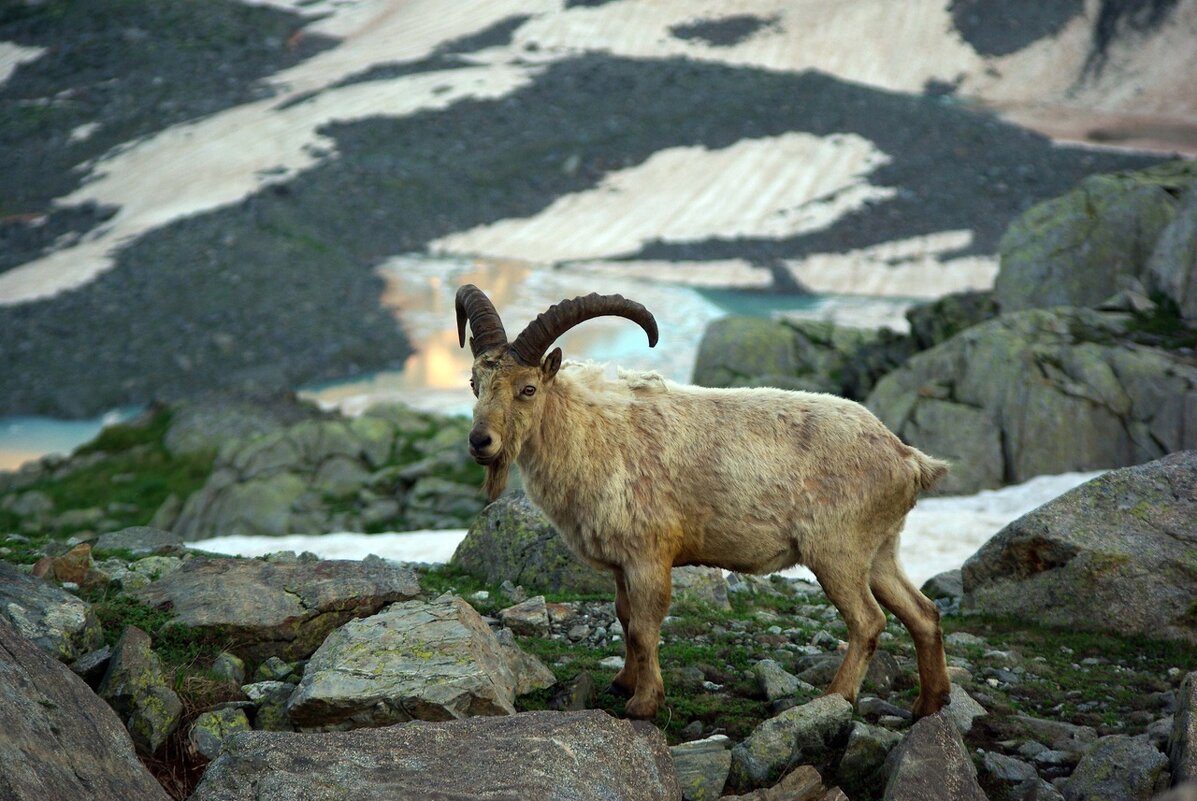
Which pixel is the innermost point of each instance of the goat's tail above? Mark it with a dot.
(929, 470)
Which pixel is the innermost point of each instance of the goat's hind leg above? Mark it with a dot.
(846, 583)
(920, 616)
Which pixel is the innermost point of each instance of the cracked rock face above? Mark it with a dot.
(412, 661)
(282, 609)
(1074, 250)
(1040, 392)
(1116, 554)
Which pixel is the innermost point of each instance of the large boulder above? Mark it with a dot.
(56, 621)
(1041, 392)
(1115, 554)
(512, 540)
(276, 608)
(412, 661)
(1081, 248)
(59, 739)
(535, 756)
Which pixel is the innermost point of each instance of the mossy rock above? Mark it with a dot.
(1081, 248)
(512, 540)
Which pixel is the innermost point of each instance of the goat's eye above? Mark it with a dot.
(473, 388)
(529, 390)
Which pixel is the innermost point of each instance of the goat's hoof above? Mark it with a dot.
(641, 711)
(925, 706)
(619, 691)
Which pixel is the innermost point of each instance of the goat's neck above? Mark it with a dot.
(552, 460)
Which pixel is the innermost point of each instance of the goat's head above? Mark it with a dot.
(510, 379)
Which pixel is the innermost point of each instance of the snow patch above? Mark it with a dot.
(941, 533)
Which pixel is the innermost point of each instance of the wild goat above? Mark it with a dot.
(640, 474)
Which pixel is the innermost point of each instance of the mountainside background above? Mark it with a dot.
(196, 196)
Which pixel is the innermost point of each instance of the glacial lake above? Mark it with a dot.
(420, 291)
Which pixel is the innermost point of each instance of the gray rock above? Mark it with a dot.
(702, 767)
(277, 608)
(963, 709)
(948, 584)
(800, 735)
(273, 669)
(1073, 250)
(137, 689)
(1115, 554)
(932, 764)
(1040, 392)
(202, 423)
(942, 319)
(513, 541)
(435, 502)
(229, 667)
(535, 756)
(138, 539)
(1119, 767)
(1006, 770)
(530, 673)
(1059, 735)
(803, 783)
(92, 666)
(797, 354)
(739, 351)
(774, 681)
(702, 585)
(211, 729)
(1182, 741)
(1172, 268)
(412, 661)
(862, 767)
(270, 704)
(53, 619)
(529, 618)
(1035, 789)
(60, 740)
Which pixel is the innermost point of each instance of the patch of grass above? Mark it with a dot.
(1163, 327)
(130, 475)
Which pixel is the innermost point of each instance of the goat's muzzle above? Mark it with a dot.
(483, 447)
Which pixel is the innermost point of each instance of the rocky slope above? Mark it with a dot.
(242, 215)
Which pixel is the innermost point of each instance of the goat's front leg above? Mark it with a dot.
(625, 682)
(648, 587)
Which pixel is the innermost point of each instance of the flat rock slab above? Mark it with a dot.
(59, 739)
(282, 609)
(59, 623)
(535, 756)
(412, 661)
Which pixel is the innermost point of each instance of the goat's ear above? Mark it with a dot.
(551, 364)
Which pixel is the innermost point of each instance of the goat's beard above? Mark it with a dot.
(496, 477)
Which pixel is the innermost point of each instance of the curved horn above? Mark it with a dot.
(485, 325)
(534, 340)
